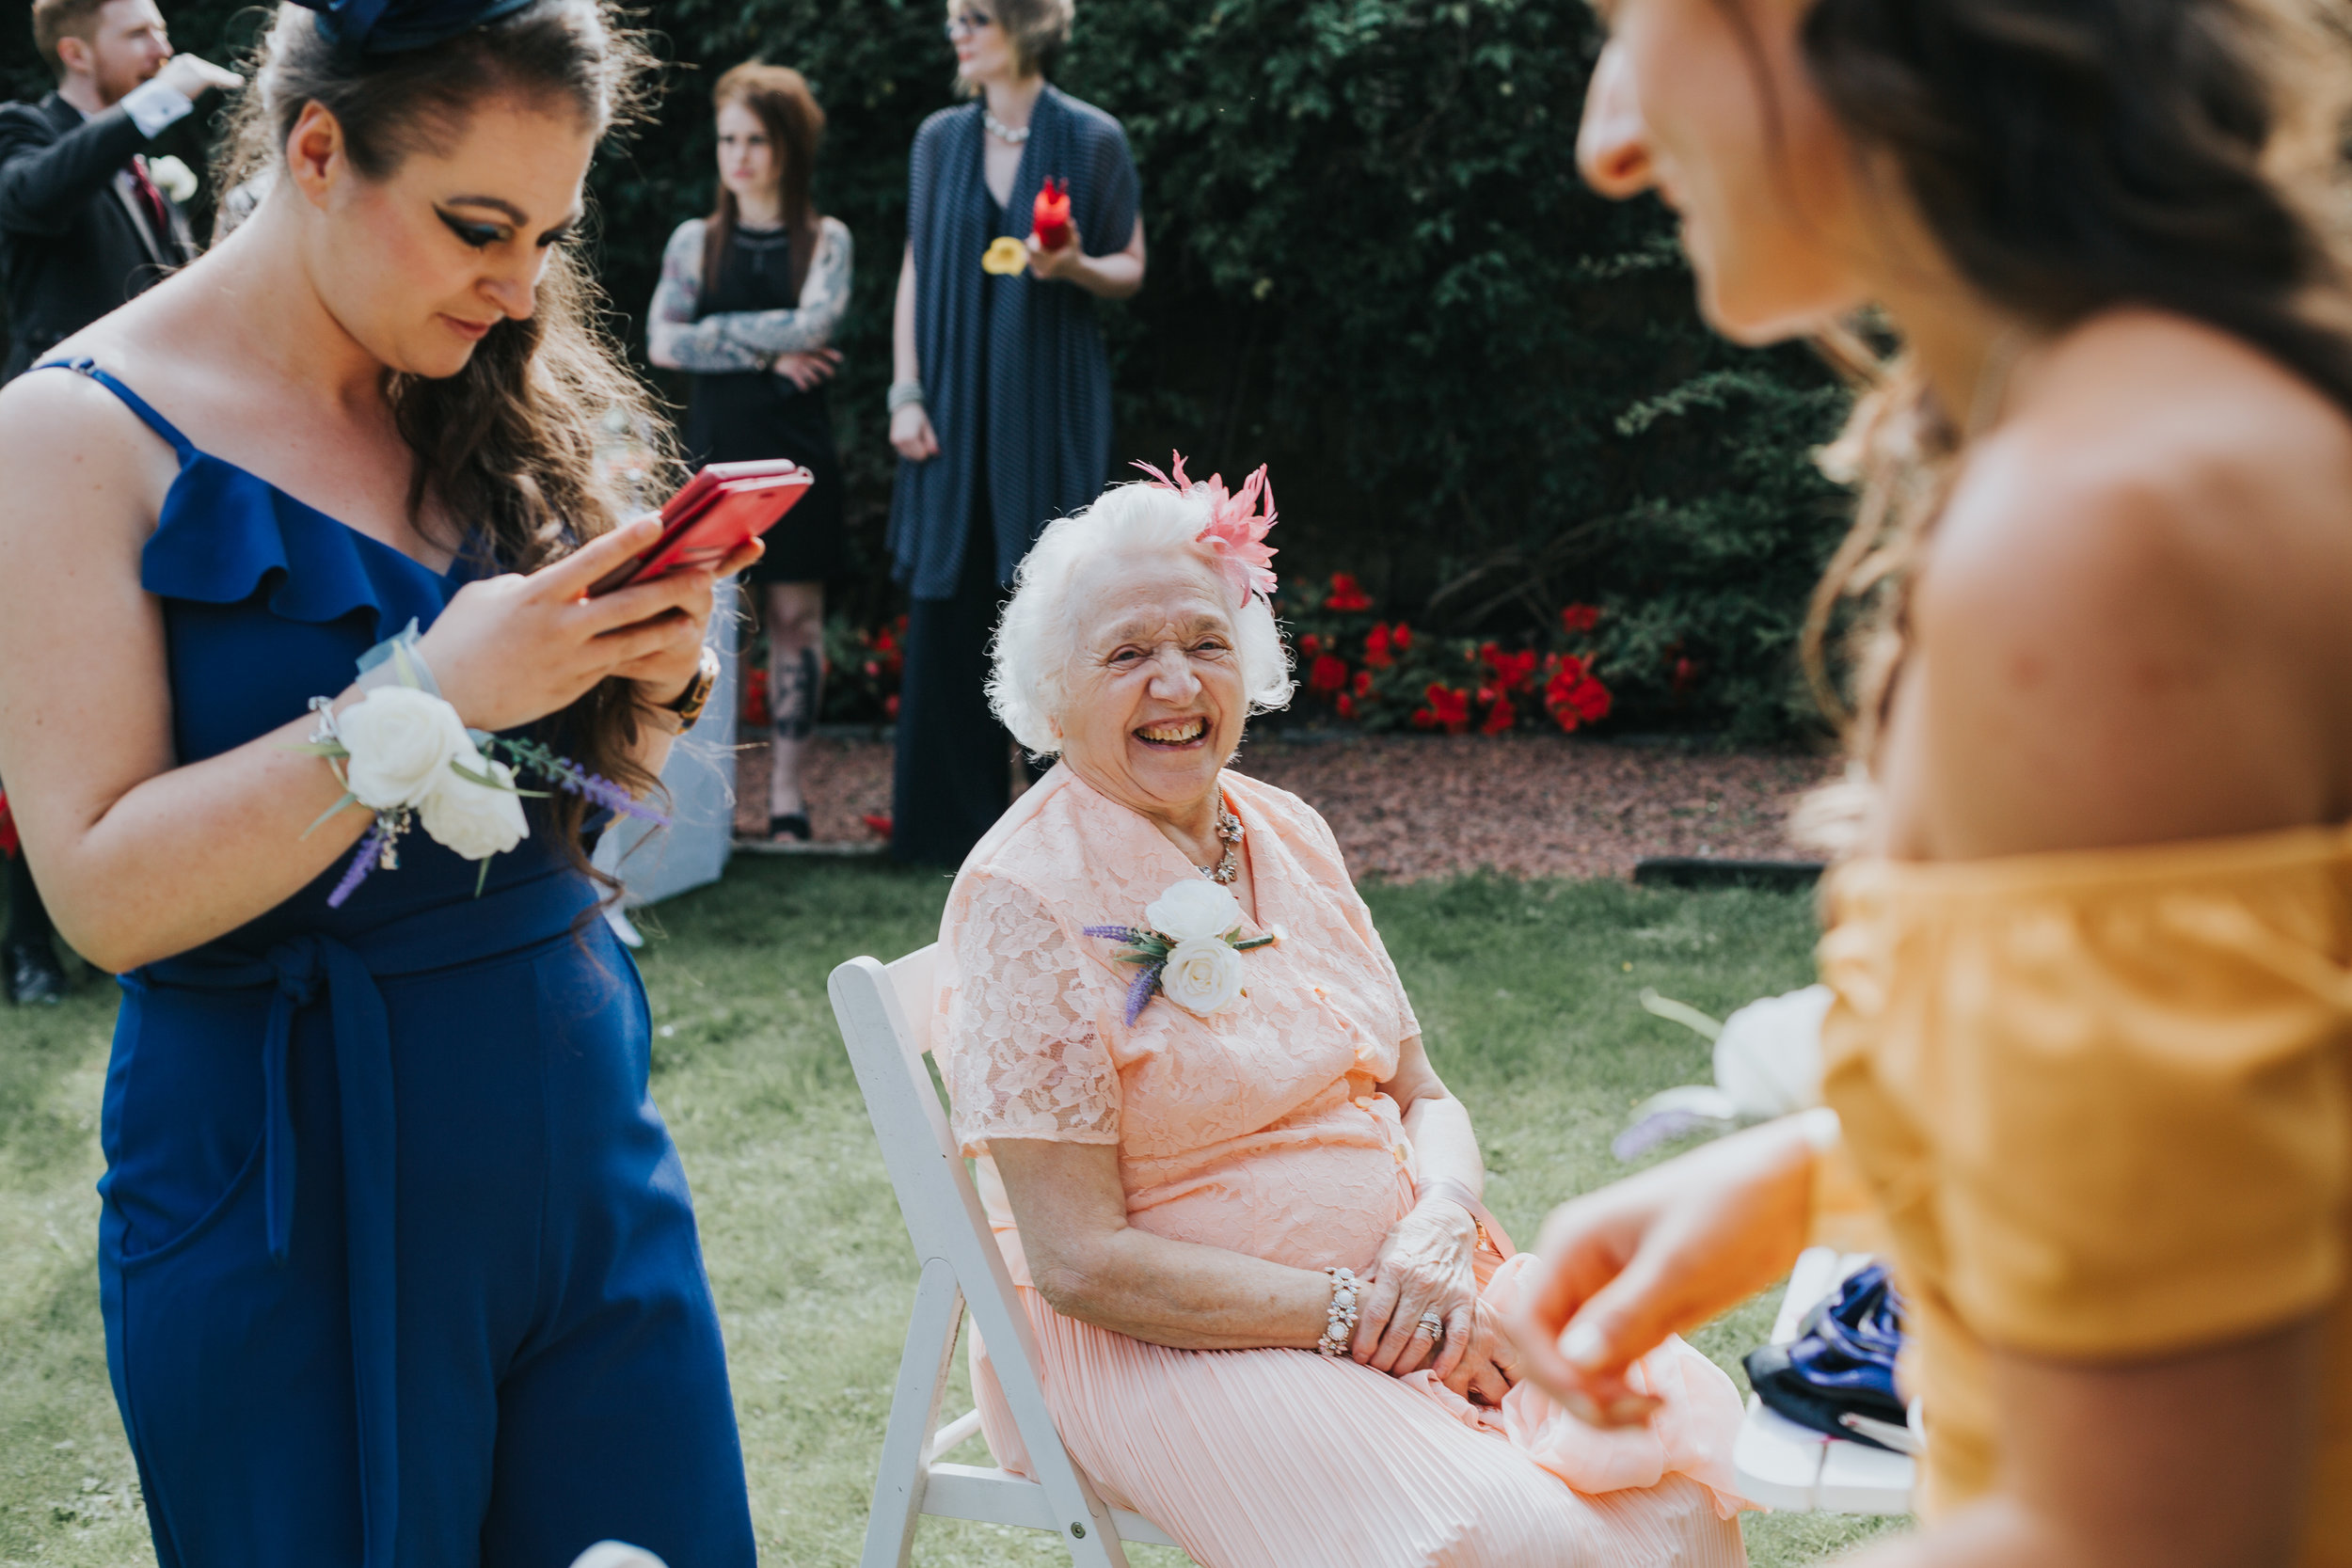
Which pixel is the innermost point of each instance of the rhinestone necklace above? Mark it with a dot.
(1228, 829)
(1002, 131)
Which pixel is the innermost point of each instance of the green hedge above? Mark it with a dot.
(1483, 390)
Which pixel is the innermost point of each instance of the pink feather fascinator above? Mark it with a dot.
(1235, 535)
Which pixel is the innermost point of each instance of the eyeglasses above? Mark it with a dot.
(968, 22)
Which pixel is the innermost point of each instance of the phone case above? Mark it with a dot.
(714, 513)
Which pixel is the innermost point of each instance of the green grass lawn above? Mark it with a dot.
(1526, 993)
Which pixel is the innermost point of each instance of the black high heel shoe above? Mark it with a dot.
(794, 824)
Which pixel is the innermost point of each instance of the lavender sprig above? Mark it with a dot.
(573, 779)
(1662, 1126)
(1140, 991)
(371, 845)
(1116, 933)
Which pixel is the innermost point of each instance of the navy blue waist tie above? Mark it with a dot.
(300, 971)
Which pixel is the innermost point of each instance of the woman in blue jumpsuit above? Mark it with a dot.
(397, 1260)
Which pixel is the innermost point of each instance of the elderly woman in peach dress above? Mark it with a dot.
(1243, 1212)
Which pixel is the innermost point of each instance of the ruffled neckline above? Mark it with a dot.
(224, 531)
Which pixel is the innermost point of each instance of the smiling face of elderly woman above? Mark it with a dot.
(1154, 698)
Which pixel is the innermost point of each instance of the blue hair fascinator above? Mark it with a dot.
(366, 27)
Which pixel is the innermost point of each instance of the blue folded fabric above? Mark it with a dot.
(1842, 1360)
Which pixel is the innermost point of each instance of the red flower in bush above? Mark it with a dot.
(755, 697)
(1309, 646)
(1346, 594)
(1363, 683)
(1401, 636)
(1512, 671)
(1449, 708)
(1580, 617)
(1376, 646)
(1686, 675)
(1328, 674)
(1572, 695)
(1500, 717)
(1347, 705)
(890, 706)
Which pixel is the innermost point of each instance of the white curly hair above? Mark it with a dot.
(1039, 633)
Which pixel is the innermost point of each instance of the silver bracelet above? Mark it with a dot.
(904, 392)
(1338, 1327)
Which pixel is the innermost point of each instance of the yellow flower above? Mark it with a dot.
(1006, 257)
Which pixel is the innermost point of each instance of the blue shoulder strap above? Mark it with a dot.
(156, 423)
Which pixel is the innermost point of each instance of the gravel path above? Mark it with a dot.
(1414, 806)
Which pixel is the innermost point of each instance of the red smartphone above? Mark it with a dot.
(712, 514)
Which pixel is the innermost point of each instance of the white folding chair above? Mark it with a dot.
(1795, 1468)
(885, 1021)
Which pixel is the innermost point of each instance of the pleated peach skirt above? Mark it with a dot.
(1287, 1459)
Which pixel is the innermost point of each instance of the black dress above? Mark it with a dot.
(737, 417)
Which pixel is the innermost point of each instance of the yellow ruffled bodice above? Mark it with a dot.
(2103, 1102)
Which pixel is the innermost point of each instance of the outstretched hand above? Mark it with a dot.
(1657, 1254)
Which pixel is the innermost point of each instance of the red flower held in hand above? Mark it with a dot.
(1376, 646)
(1580, 617)
(1328, 674)
(1049, 218)
(1346, 594)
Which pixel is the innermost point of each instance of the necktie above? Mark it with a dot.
(153, 201)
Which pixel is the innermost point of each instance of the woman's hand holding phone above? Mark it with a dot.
(515, 648)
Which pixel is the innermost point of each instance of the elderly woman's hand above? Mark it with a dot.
(1489, 1364)
(1424, 1266)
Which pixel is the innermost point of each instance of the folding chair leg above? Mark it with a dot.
(914, 1412)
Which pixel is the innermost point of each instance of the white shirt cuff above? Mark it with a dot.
(156, 108)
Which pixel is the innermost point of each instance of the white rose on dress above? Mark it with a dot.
(472, 819)
(1193, 911)
(1202, 976)
(401, 742)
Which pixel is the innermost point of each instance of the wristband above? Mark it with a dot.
(397, 661)
(904, 392)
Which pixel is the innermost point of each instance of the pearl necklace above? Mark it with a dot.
(1002, 131)
(1228, 829)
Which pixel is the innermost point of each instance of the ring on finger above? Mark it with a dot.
(1434, 1327)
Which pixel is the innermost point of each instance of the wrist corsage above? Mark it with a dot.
(1187, 952)
(402, 752)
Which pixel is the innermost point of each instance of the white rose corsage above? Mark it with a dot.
(1187, 951)
(173, 177)
(402, 752)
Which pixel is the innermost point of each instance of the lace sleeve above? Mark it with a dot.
(1023, 1057)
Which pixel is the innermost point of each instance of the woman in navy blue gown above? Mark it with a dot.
(397, 1260)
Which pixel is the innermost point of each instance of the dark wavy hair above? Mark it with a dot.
(2071, 156)
(509, 445)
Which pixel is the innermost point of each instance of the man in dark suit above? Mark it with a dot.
(82, 228)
